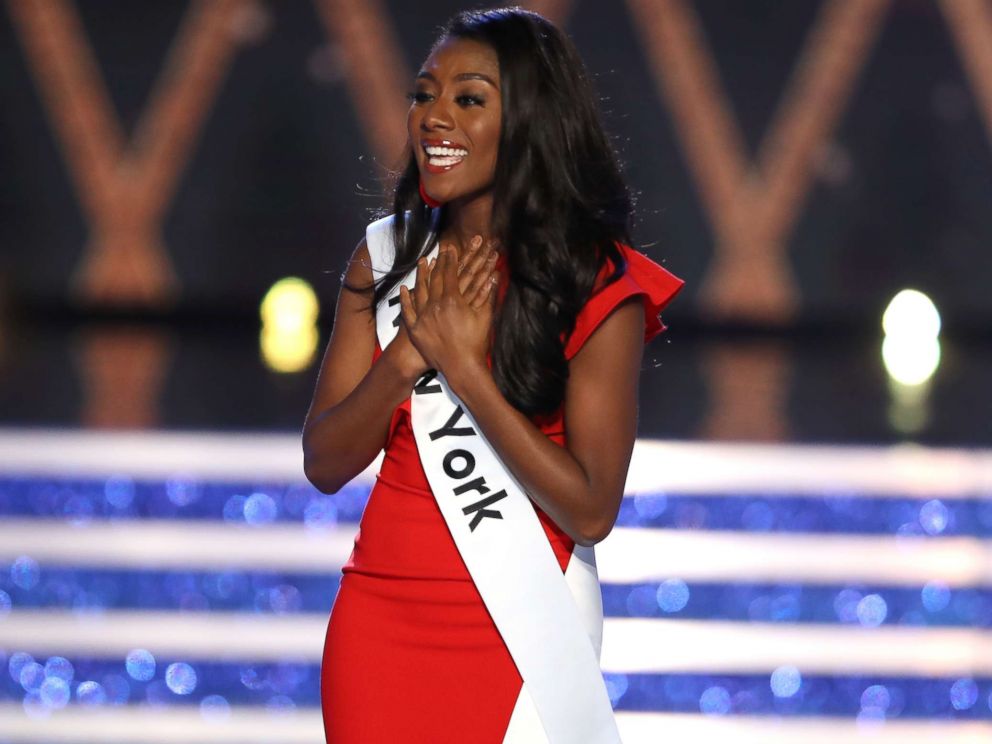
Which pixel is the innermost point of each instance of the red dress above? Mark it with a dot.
(411, 654)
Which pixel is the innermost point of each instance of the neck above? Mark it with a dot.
(468, 218)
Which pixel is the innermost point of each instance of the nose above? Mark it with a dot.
(437, 116)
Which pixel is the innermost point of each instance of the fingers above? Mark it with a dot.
(448, 266)
(406, 307)
(479, 277)
(482, 260)
(471, 255)
(487, 292)
(420, 291)
(448, 275)
(435, 287)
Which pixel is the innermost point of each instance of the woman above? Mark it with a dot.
(501, 299)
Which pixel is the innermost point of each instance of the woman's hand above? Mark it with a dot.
(449, 313)
(404, 355)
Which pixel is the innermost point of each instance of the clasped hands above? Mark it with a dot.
(448, 315)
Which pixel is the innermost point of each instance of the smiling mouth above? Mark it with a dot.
(443, 157)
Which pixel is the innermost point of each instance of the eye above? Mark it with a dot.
(419, 96)
(470, 100)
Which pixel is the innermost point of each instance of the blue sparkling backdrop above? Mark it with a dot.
(53, 682)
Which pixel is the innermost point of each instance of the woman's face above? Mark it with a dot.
(454, 120)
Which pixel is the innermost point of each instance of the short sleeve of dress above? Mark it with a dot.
(644, 277)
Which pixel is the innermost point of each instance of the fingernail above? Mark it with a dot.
(476, 241)
(491, 258)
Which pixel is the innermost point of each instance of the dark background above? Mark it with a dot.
(282, 180)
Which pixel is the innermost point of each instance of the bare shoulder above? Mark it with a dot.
(358, 276)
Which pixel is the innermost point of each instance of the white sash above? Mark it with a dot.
(551, 623)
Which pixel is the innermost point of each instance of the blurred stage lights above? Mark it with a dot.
(911, 348)
(911, 354)
(289, 335)
(786, 681)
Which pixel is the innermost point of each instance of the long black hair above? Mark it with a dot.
(559, 202)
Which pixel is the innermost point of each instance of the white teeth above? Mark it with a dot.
(443, 161)
(433, 150)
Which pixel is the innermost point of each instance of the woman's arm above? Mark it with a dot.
(580, 487)
(353, 402)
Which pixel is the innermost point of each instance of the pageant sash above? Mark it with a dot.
(551, 622)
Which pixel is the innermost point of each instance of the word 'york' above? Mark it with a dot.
(458, 463)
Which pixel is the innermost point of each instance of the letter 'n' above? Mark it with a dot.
(423, 386)
(391, 302)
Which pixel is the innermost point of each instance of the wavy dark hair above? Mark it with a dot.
(559, 202)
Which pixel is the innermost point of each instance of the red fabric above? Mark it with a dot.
(411, 653)
(428, 200)
(643, 277)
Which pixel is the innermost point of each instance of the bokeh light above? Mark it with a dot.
(715, 701)
(911, 313)
(964, 694)
(91, 694)
(35, 707)
(289, 334)
(260, 508)
(289, 304)
(786, 681)
(78, 509)
(875, 701)
(911, 354)
(25, 572)
(284, 599)
(280, 705)
(16, 663)
(672, 595)
(234, 508)
(118, 490)
(934, 517)
(215, 708)
(846, 605)
(872, 610)
(180, 677)
(935, 596)
(60, 667)
(252, 678)
(910, 361)
(32, 676)
(140, 665)
(55, 692)
(758, 517)
(650, 505)
(182, 491)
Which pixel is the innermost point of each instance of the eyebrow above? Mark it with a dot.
(462, 76)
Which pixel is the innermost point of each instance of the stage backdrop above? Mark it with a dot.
(793, 162)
